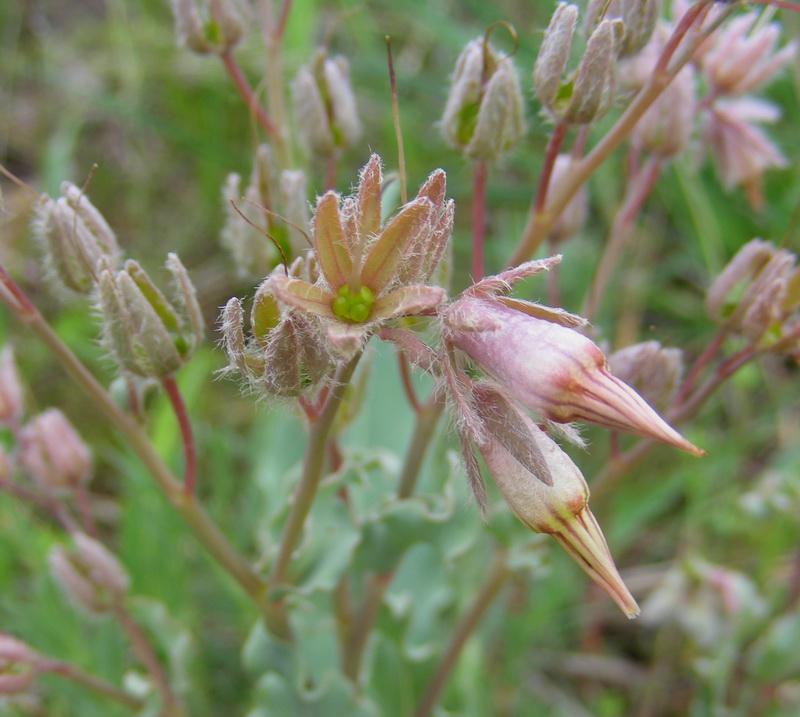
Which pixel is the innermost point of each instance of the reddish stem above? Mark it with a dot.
(684, 24)
(701, 362)
(550, 156)
(85, 511)
(280, 26)
(16, 299)
(187, 437)
(408, 387)
(478, 220)
(246, 92)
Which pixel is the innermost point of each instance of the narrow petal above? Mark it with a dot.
(556, 316)
(434, 187)
(369, 199)
(330, 244)
(387, 251)
(407, 300)
(304, 296)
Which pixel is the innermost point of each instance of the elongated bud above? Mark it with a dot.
(89, 574)
(560, 509)
(11, 405)
(649, 368)
(484, 114)
(53, 452)
(148, 335)
(554, 54)
(638, 18)
(573, 217)
(325, 105)
(18, 665)
(213, 26)
(553, 370)
(74, 237)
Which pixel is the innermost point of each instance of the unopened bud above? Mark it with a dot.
(573, 217)
(215, 27)
(638, 17)
(18, 665)
(649, 368)
(74, 237)
(148, 335)
(89, 574)
(587, 94)
(325, 105)
(11, 405)
(294, 206)
(560, 509)
(553, 370)
(53, 453)
(484, 114)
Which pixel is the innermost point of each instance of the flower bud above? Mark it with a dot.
(560, 509)
(53, 453)
(10, 389)
(651, 370)
(552, 370)
(74, 237)
(89, 574)
(293, 190)
(638, 17)
(217, 28)
(484, 114)
(325, 105)
(18, 665)
(573, 217)
(149, 336)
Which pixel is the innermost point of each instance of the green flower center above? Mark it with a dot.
(352, 305)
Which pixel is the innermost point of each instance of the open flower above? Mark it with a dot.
(368, 273)
(535, 353)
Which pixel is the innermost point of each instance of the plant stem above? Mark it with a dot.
(48, 505)
(187, 437)
(95, 684)
(539, 223)
(478, 220)
(85, 510)
(273, 32)
(427, 418)
(405, 377)
(356, 636)
(305, 491)
(242, 85)
(701, 362)
(190, 510)
(498, 572)
(171, 706)
(639, 187)
(550, 157)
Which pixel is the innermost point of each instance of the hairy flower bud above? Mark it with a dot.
(325, 105)
(587, 94)
(215, 27)
(149, 336)
(89, 574)
(560, 509)
(74, 236)
(53, 453)
(484, 114)
(18, 665)
(573, 217)
(551, 369)
(649, 368)
(638, 17)
(11, 404)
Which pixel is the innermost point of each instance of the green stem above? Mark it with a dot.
(495, 579)
(95, 684)
(427, 418)
(305, 492)
(356, 637)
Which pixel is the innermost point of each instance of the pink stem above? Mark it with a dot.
(187, 437)
(14, 297)
(408, 387)
(478, 220)
(280, 26)
(250, 99)
(701, 362)
(550, 156)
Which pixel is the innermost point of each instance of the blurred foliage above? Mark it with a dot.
(102, 81)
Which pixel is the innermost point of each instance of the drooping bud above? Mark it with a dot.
(638, 18)
(18, 665)
(89, 574)
(484, 114)
(53, 453)
(11, 405)
(573, 217)
(756, 292)
(650, 369)
(587, 94)
(551, 369)
(325, 105)
(74, 237)
(215, 27)
(560, 509)
(148, 335)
